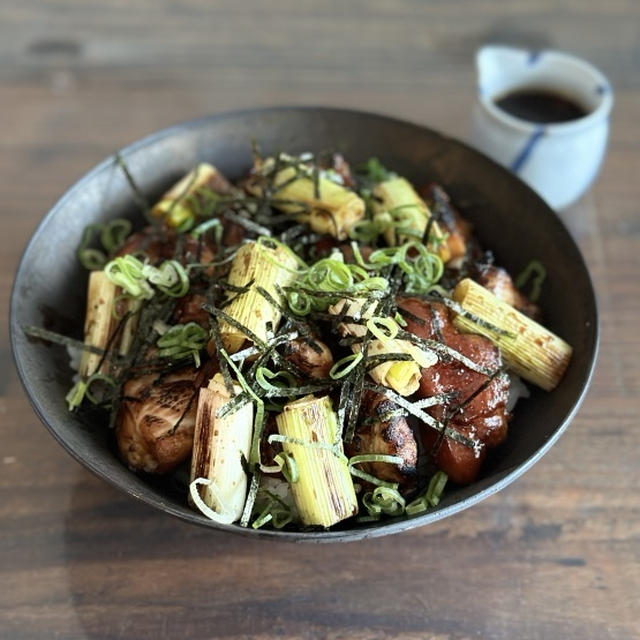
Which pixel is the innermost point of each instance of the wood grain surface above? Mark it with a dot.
(556, 555)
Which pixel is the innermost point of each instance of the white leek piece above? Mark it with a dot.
(397, 198)
(265, 268)
(99, 321)
(528, 349)
(218, 446)
(324, 492)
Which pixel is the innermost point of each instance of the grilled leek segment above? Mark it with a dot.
(218, 446)
(255, 266)
(180, 206)
(99, 321)
(528, 349)
(327, 206)
(324, 493)
(396, 198)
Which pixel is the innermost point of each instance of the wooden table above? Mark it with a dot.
(556, 555)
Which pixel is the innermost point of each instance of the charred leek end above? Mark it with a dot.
(329, 208)
(99, 321)
(397, 197)
(324, 493)
(179, 206)
(218, 446)
(528, 349)
(263, 267)
(403, 376)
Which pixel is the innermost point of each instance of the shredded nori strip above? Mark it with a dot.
(374, 361)
(251, 498)
(443, 350)
(58, 338)
(224, 367)
(247, 224)
(138, 196)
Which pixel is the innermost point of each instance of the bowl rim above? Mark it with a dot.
(346, 535)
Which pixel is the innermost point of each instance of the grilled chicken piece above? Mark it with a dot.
(146, 431)
(189, 309)
(160, 244)
(314, 363)
(478, 410)
(380, 431)
(449, 218)
(151, 242)
(499, 282)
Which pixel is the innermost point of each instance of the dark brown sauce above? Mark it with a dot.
(540, 105)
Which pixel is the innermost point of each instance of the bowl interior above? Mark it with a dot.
(509, 218)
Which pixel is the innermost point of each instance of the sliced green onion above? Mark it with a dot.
(277, 437)
(182, 341)
(263, 375)
(114, 233)
(127, 272)
(417, 506)
(363, 475)
(171, 278)
(400, 320)
(373, 457)
(76, 395)
(214, 223)
(136, 277)
(92, 259)
(288, 467)
(431, 497)
(97, 377)
(262, 519)
(345, 366)
(536, 272)
(375, 326)
(436, 487)
(384, 500)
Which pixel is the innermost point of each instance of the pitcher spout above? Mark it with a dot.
(501, 67)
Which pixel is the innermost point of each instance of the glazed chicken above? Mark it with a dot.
(500, 283)
(457, 228)
(151, 407)
(315, 363)
(478, 409)
(383, 429)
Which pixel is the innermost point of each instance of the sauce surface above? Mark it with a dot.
(540, 105)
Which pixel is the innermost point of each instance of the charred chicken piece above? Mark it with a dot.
(151, 242)
(384, 429)
(313, 362)
(449, 218)
(189, 309)
(478, 405)
(499, 282)
(156, 420)
(158, 245)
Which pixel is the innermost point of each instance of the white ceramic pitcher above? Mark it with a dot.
(558, 160)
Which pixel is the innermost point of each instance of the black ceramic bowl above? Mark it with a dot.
(509, 218)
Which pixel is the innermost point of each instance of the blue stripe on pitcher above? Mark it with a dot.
(525, 152)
